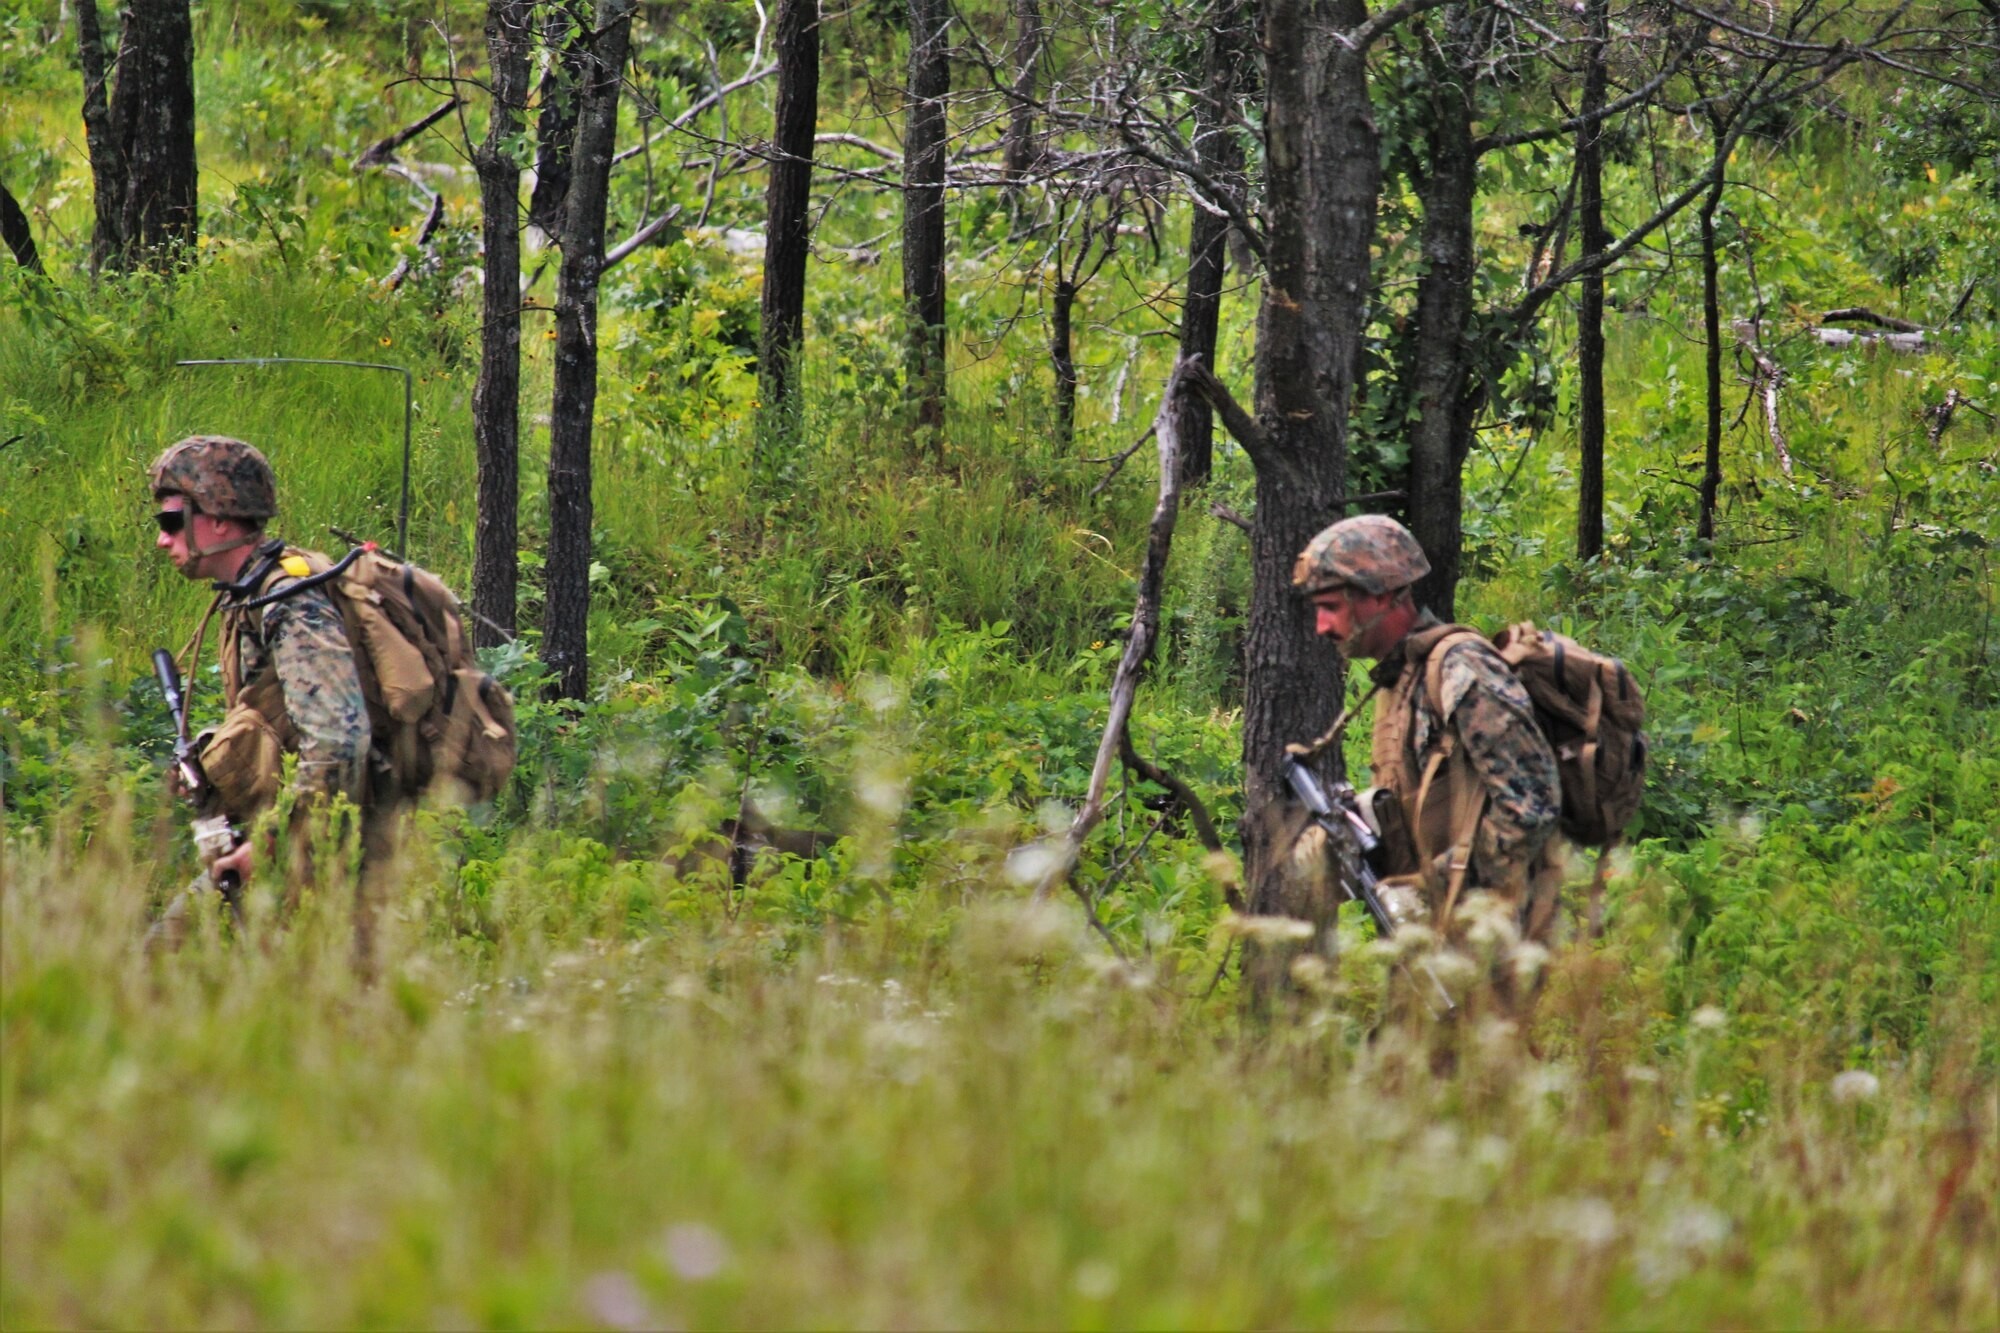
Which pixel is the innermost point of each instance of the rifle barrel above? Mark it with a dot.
(170, 687)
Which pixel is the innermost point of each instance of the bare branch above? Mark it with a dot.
(639, 238)
(379, 152)
(1138, 648)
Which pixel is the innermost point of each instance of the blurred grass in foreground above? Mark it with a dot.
(955, 1110)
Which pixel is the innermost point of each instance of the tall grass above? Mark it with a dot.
(1004, 1127)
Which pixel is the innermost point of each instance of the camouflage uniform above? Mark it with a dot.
(289, 662)
(299, 644)
(1485, 709)
(1467, 724)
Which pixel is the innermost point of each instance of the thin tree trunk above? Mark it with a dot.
(566, 616)
(1441, 374)
(564, 55)
(1220, 155)
(152, 118)
(923, 215)
(107, 159)
(496, 398)
(14, 230)
(787, 199)
(1322, 174)
(1711, 328)
(1063, 358)
(1017, 148)
(1590, 303)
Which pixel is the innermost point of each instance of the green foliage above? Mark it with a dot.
(616, 1071)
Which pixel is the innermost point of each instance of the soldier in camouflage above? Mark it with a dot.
(1470, 795)
(289, 669)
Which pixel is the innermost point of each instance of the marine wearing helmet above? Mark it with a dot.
(290, 678)
(1472, 792)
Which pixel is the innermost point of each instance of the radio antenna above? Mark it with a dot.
(409, 410)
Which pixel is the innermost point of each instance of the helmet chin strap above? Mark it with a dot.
(203, 552)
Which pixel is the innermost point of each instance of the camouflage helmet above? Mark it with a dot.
(1372, 552)
(220, 476)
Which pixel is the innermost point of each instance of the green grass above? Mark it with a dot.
(596, 1085)
(934, 1116)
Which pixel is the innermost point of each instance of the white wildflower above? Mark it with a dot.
(696, 1252)
(1854, 1085)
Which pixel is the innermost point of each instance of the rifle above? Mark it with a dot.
(1365, 885)
(214, 835)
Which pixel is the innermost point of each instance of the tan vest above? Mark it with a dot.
(244, 756)
(1438, 795)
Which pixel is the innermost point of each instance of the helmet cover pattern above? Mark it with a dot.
(1372, 552)
(220, 476)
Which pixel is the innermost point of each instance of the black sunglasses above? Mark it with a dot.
(171, 520)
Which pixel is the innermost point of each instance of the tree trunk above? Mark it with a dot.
(1590, 302)
(1322, 174)
(1220, 155)
(566, 616)
(1441, 375)
(1063, 359)
(787, 199)
(107, 159)
(923, 215)
(565, 54)
(496, 398)
(1711, 328)
(152, 120)
(14, 230)
(1017, 148)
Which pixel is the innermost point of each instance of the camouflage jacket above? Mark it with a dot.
(1497, 745)
(293, 663)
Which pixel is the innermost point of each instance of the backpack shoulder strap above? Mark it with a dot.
(1468, 794)
(1440, 644)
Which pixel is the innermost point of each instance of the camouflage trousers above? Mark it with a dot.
(381, 841)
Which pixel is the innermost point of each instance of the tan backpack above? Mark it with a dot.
(1590, 709)
(434, 714)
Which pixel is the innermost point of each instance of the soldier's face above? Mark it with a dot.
(1353, 620)
(195, 531)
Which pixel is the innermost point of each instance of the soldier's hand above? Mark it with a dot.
(240, 861)
(176, 784)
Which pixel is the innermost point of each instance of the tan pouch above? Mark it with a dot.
(478, 748)
(404, 679)
(245, 763)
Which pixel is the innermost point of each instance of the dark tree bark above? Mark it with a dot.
(1220, 155)
(923, 214)
(1062, 357)
(1322, 175)
(107, 157)
(141, 139)
(1441, 373)
(788, 198)
(1590, 299)
(14, 230)
(566, 57)
(496, 398)
(1711, 328)
(1017, 147)
(566, 617)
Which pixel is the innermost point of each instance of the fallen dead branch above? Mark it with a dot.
(1863, 315)
(1138, 648)
(382, 150)
(1939, 417)
(1769, 376)
(1179, 792)
(432, 218)
(640, 237)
